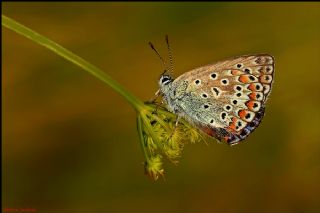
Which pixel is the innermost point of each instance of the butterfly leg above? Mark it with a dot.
(153, 100)
(157, 107)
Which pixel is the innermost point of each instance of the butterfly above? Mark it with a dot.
(226, 100)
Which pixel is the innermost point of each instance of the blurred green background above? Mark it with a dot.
(70, 142)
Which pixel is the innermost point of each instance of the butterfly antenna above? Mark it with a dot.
(163, 63)
(170, 55)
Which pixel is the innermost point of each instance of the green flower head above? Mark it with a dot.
(161, 138)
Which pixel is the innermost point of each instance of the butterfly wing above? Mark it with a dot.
(227, 99)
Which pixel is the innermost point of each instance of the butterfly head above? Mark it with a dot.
(165, 80)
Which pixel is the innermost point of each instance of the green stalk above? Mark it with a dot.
(68, 55)
(142, 139)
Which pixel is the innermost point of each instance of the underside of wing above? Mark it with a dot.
(227, 99)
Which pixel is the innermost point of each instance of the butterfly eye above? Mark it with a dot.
(165, 79)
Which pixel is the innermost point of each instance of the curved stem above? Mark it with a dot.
(58, 49)
(142, 139)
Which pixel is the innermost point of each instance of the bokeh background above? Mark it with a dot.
(70, 144)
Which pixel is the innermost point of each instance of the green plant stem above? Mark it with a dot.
(68, 55)
(142, 139)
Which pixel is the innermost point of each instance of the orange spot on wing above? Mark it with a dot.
(250, 104)
(242, 114)
(236, 72)
(244, 79)
(232, 126)
(252, 87)
(253, 96)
